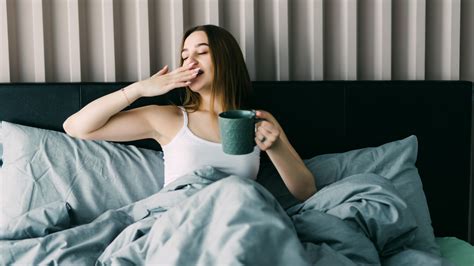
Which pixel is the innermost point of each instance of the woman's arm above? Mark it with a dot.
(86, 123)
(102, 119)
(271, 138)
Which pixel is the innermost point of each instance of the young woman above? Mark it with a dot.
(216, 79)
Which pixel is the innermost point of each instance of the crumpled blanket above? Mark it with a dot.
(210, 218)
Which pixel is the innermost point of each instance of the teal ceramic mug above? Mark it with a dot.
(237, 131)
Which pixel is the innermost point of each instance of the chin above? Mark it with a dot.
(197, 87)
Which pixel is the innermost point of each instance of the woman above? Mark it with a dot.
(216, 79)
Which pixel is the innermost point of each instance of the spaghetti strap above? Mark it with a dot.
(185, 116)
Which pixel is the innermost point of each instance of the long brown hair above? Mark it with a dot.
(231, 82)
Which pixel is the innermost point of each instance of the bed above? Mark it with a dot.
(404, 145)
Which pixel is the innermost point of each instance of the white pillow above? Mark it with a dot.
(43, 166)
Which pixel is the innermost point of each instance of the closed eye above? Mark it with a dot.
(201, 53)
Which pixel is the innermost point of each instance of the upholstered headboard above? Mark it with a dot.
(323, 117)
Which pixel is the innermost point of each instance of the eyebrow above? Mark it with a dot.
(199, 44)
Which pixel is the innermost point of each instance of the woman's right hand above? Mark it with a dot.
(164, 81)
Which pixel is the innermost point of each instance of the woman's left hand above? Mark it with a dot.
(268, 131)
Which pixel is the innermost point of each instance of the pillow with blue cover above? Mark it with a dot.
(394, 161)
(43, 166)
(456, 250)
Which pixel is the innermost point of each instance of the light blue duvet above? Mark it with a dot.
(209, 218)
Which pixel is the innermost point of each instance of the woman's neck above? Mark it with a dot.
(205, 105)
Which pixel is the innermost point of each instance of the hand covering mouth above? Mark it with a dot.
(200, 72)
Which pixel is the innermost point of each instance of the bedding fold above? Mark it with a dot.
(38, 222)
(210, 218)
(361, 217)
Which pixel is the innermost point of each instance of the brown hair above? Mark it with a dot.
(231, 82)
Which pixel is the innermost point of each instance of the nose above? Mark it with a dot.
(191, 59)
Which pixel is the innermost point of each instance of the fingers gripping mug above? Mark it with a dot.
(237, 131)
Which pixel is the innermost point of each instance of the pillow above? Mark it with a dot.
(456, 250)
(43, 166)
(394, 161)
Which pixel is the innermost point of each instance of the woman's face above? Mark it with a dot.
(196, 49)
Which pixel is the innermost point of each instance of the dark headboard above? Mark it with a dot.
(323, 117)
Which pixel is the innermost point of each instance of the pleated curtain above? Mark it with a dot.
(128, 40)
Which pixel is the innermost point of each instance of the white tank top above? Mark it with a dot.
(187, 152)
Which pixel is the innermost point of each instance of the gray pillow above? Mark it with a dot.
(394, 161)
(43, 166)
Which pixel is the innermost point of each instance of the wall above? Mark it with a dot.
(126, 40)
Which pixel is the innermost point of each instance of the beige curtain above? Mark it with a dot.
(127, 40)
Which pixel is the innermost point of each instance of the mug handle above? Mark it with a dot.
(254, 115)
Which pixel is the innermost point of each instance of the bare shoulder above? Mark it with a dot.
(163, 113)
(160, 110)
(166, 120)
